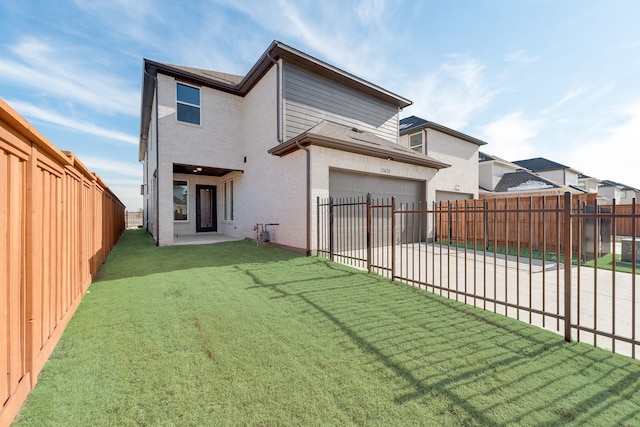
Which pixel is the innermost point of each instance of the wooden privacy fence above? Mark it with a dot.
(624, 225)
(58, 222)
(527, 222)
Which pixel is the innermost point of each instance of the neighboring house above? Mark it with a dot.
(556, 172)
(623, 194)
(501, 178)
(223, 153)
(491, 169)
(458, 182)
(588, 183)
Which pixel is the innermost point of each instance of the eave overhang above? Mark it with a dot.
(274, 52)
(382, 152)
(443, 129)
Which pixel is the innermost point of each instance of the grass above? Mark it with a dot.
(604, 263)
(235, 334)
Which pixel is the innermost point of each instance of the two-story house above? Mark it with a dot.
(223, 153)
(458, 182)
(621, 193)
(549, 169)
(501, 178)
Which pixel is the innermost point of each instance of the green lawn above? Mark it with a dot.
(236, 334)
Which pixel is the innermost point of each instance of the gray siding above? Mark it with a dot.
(310, 99)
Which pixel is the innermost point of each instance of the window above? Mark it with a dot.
(187, 104)
(228, 200)
(180, 197)
(415, 142)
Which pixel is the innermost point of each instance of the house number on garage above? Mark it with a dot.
(385, 170)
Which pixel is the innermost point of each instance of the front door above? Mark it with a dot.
(206, 218)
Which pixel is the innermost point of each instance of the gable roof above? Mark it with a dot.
(523, 181)
(241, 85)
(344, 138)
(609, 183)
(540, 164)
(414, 124)
(485, 158)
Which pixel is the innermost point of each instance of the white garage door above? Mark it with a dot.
(344, 184)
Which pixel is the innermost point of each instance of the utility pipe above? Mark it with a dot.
(308, 209)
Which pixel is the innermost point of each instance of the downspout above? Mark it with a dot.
(308, 210)
(155, 78)
(308, 152)
(278, 96)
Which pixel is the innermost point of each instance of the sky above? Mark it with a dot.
(533, 78)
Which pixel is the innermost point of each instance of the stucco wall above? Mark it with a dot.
(217, 142)
(463, 175)
(274, 188)
(149, 168)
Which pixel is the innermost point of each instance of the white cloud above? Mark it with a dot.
(521, 57)
(612, 153)
(349, 38)
(102, 165)
(574, 93)
(371, 11)
(129, 194)
(453, 93)
(31, 111)
(68, 76)
(511, 136)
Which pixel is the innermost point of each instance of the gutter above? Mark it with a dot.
(157, 169)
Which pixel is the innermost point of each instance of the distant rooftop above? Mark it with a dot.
(609, 183)
(540, 164)
(484, 157)
(411, 122)
(523, 181)
(417, 123)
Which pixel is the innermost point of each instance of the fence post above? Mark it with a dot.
(318, 226)
(369, 232)
(567, 266)
(485, 207)
(331, 228)
(393, 238)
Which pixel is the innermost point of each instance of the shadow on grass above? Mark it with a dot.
(443, 349)
(477, 367)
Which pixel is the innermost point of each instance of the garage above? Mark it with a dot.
(349, 184)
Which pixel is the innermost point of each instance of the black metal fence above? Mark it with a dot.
(134, 219)
(556, 264)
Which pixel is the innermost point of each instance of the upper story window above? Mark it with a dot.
(415, 142)
(188, 104)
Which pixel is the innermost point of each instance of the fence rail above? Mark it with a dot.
(59, 221)
(508, 256)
